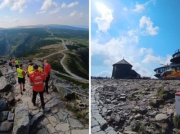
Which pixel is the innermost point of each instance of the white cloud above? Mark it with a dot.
(142, 70)
(48, 4)
(17, 5)
(150, 58)
(145, 51)
(139, 8)
(41, 12)
(104, 74)
(15, 20)
(54, 11)
(76, 13)
(105, 19)
(145, 22)
(73, 4)
(125, 9)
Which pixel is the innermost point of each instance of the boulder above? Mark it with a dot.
(10, 116)
(3, 115)
(21, 120)
(4, 86)
(3, 105)
(53, 102)
(6, 126)
(161, 117)
(35, 118)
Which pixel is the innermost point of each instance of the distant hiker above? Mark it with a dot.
(21, 77)
(16, 63)
(47, 71)
(30, 68)
(37, 79)
(10, 64)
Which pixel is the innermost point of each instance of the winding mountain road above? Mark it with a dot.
(74, 76)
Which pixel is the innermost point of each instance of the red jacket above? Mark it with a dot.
(47, 69)
(37, 78)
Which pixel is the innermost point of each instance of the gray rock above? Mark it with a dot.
(53, 103)
(3, 83)
(3, 105)
(3, 115)
(42, 131)
(129, 132)
(35, 118)
(100, 132)
(75, 123)
(21, 120)
(95, 129)
(62, 116)
(6, 126)
(94, 122)
(110, 130)
(11, 99)
(161, 117)
(137, 116)
(10, 116)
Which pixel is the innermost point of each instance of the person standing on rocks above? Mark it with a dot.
(37, 79)
(47, 71)
(10, 64)
(16, 63)
(21, 77)
(30, 68)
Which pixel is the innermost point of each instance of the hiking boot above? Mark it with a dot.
(33, 103)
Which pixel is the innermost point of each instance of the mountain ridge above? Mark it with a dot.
(49, 26)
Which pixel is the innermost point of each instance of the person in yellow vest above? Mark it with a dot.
(21, 77)
(16, 63)
(40, 69)
(30, 68)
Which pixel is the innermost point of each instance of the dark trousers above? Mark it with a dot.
(46, 83)
(41, 98)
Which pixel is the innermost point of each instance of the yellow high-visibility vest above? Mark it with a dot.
(20, 73)
(16, 62)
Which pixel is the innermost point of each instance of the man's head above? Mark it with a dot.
(35, 67)
(21, 65)
(45, 62)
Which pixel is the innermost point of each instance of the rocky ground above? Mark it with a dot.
(19, 116)
(134, 106)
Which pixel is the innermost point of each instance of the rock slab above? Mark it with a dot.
(21, 120)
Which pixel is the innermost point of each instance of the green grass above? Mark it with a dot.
(55, 62)
(176, 121)
(78, 64)
(84, 85)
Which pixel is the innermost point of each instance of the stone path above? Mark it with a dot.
(98, 123)
(28, 119)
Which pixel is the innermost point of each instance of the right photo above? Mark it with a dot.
(135, 67)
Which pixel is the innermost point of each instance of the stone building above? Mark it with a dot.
(123, 70)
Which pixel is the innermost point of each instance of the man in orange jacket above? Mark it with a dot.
(37, 79)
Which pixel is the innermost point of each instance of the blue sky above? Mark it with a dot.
(32, 12)
(145, 33)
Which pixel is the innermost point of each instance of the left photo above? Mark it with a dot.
(44, 67)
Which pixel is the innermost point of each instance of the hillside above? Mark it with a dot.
(66, 47)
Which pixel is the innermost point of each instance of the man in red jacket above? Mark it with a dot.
(37, 79)
(47, 71)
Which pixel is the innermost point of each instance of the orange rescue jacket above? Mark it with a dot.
(37, 78)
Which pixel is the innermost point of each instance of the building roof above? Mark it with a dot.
(123, 61)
